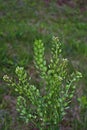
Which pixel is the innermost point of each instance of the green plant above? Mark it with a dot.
(45, 106)
(80, 123)
(83, 102)
(83, 112)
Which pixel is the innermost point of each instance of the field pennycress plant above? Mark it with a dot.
(45, 108)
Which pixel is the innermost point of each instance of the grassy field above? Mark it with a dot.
(23, 21)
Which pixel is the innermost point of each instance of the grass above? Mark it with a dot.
(21, 22)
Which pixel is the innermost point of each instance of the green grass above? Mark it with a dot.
(21, 22)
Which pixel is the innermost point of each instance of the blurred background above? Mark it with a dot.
(23, 21)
